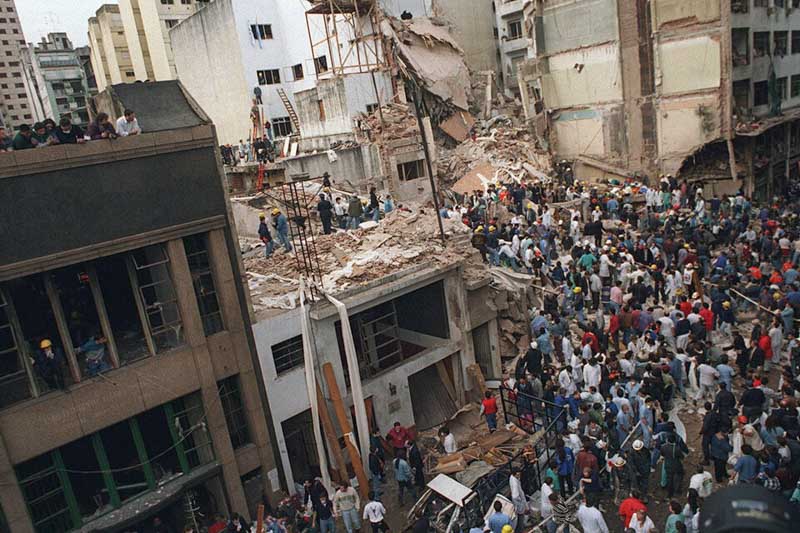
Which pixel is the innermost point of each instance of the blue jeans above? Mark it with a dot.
(376, 214)
(353, 222)
(269, 248)
(376, 485)
(327, 526)
(352, 521)
(284, 238)
(491, 421)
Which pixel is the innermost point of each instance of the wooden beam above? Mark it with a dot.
(344, 423)
(330, 434)
(63, 329)
(446, 381)
(100, 305)
(475, 371)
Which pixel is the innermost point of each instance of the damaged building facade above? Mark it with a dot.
(152, 403)
(663, 86)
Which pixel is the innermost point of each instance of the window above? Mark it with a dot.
(167, 2)
(261, 32)
(321, 64)
(28, 117)
(130, 74)
(781, 46)
(80, 101)
(740, 6)
(796, 42)
(740, 42)
(10, 106)
(411, 170)
(760, 43)
(514, 29)
(62, 101)
(269, 77)
(14, 371)
(19, 85)
(782, 87)
(780, 3)
(297, 71)
(58, 86)
(795, 86)
(288, 354)
(371, 108)
(191, 426)
(186, 2)
(13, 63)
(171, 23)
(41, 481)
(203, 280)
(235, 414)
(760, 93)
(281, 126)
(321, 109)
(150, 272)
(23, 106)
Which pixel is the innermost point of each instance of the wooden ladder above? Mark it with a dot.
(292, 114)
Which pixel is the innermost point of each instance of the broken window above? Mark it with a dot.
(16, 378)
(41, 483)
(281, 126)
(321, 64)
(782, 88)
(85, 480)
(372, 108)
(781, 43)
(121, 308)
(396, 330)
(514, 29)
(190, 424)
(760, 93)
(795, 42)
(741, 96)
(261, 32)
(740, 40)
(268, 77)
(235, 415)
(760, 43)
(740, 6)
(157, 430)
(123, 458)
(83, 321)
(297, 71)
(36, 322)
(795, 86)
(150, 273)
(411, 170)
(288, 354)
(205, 290)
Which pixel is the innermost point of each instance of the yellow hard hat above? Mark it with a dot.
(576, 290)
(777, 296)
(726, 304)
(276, 211)
(479, 229)
(654, 267)
(492, 228)
(597, 208)
(613, 250)
(262, 215)
(45, 344)
(507, 529)
(327, 189)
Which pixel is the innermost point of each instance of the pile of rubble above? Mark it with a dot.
(393, 121)
(347, 259)
(501, 152)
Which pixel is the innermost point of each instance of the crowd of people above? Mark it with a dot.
(646, 291)
(48, 133)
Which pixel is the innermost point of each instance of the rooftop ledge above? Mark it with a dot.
(60, 156)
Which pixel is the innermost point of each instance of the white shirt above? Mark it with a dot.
(639, 527)
(450, 445)
(707, 374)
(592, 375)
(125, 128)
(517, 494)
(702, 483)
(565, 381)
(591, 520)
(374, 512)
(546, 509)
(627, 367)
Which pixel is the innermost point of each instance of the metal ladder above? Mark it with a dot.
(288, 105)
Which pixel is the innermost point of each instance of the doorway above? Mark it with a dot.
(432, 400)
(298, 433)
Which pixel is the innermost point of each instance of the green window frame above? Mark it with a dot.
(235, 413)
(205, 289)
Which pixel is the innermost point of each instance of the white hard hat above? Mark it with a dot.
(638, 445)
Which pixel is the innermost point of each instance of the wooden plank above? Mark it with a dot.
(475, 371)
(260, 519)
(344, 423)
(446, 381)
(330, 435)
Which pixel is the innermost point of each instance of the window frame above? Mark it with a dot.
(200, 268)
(291, 350)
(270, 76)
(235, 411)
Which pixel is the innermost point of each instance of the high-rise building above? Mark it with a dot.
(59, 80)
(111, 58)
(15, 103)
(152, 404)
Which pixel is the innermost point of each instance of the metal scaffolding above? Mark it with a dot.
(352, 41)
(297, 211)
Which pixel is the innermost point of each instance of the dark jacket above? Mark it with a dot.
(21, 142)
(354, 208)
(325, 209)
(263, 232)
(96, 131)
(68, 137)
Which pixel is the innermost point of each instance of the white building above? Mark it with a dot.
(513, 43)
(264, 44)
(147, 24)
(111, 59)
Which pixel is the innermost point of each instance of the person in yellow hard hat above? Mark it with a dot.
(478, 242)
(49, 363)
(281, 225)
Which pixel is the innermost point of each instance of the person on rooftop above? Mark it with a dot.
(101, 128)
(23, 140)
(67, 133)
(128, 124)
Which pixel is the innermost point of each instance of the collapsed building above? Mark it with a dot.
(153, 404)
(667, 87)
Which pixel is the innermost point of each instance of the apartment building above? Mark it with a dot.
(111, 57)
(15, 94)
(59, 80)
(703, 89)
(147, 24)
(512, 43)
(153, 404)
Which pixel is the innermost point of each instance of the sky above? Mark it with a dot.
(39, 17)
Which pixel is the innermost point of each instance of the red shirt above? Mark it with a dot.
(628, 508)
(586, 459)
(613, 326)
(398, 436)
(591, 338)
(708, 318)
(686, 308)
(217, 528)
(766, 345)
(489, 406)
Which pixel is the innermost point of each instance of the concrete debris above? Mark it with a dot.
(458, 125)
(427, 53)
(394, 121)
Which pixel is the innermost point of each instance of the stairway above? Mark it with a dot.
(292, 114)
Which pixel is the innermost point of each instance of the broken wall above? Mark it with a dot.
(583, 77)
(683, 12)
(579, 132)
(576, 24)
(472, 25)
(684, 126)
(354, 168)
(687, 65)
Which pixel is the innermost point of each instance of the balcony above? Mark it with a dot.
(506, 8)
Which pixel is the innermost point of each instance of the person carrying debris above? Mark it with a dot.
(265, 235)
(281, 225)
